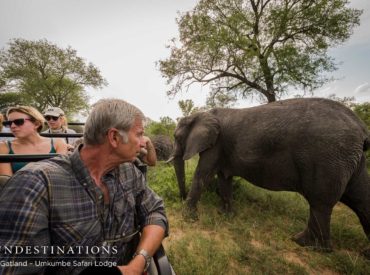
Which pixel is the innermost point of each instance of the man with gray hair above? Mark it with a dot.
(71, 214)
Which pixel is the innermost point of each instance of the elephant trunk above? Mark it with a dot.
(179, 165)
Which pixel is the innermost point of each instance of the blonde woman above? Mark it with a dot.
(57, 123)
(25, 123)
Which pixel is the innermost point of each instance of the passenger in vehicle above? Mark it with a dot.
(57, 122)
(25, 122)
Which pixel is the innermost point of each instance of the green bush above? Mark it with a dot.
(166, 127)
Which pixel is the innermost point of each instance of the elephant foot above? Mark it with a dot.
(307, 239)
(226, 209)
(183, 195)
(190, 214)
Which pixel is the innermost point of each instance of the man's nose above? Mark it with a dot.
(142, 142)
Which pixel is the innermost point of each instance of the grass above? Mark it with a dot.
(256, 238)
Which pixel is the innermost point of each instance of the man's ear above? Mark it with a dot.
(113, 137)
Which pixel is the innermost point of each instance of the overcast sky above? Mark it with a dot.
(124, 39)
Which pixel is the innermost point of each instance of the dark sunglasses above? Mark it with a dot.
(55, 118)
(17, 122)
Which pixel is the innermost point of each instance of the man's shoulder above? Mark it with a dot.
(130, 173)
(127, 168)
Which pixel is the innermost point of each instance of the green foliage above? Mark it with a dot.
(161, 180)
(186, 106)
(221, 98)
(44, 75)
(257, 47)
(166, 126)
(77, 128)
(255, 239)
(363, 112)
(12, 98)
(348, 101)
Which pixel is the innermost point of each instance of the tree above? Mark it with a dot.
(221, 99)
(348, 101)
(257, 47)
(363, 111)
(11, 99)
(43, 75)
(186, 106)
(165, 127)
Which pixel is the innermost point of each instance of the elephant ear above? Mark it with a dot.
(203, 134)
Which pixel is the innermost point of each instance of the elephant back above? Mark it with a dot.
(291, 128)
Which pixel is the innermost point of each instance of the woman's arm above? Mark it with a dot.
(61, 146)
(150, 157)
(5, 168)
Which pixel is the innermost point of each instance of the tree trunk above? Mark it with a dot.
(270, 97)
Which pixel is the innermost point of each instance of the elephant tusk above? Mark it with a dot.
(170, 159)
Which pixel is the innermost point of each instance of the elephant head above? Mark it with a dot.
(193, 134)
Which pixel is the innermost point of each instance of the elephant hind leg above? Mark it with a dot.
(317, 233)
(225, 192)
(357, 196)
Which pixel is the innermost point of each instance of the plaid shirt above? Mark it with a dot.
(54, 208)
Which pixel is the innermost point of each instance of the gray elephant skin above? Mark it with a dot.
(311, 146)
(163, 146)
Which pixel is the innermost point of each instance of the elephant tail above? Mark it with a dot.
(366, 144)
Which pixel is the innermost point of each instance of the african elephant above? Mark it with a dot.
(311, 146)
(163, 146)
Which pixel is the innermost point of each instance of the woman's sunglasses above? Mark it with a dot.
(55, 118)
(17, 122)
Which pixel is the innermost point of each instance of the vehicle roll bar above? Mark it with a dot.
(25, 157)
(61, 135)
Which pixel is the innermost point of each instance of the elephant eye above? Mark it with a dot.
(179, 136)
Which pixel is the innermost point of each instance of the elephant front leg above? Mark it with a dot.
(317, 233)
(190, 211)
(195, 192)
(204, 171)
